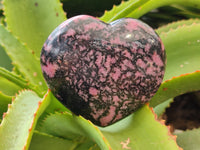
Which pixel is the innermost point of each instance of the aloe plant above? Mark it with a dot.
(32, 118)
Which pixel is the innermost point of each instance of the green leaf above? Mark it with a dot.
(153, 4)
(21, 56)
(176, 86)
(92, 132)
(42, 141)
(12, 83)
(160, 109)
(5, 61)
(122, 10)
(140, 131)
(189, 140)
(54, 106)
(188, 12)
(7, 87)
(183, 63)
(137, 8)
(73, 128)
(176, 24)
(88, 144)
(182, 51)
(137, 129)
(35, 20)
(4, 101)
(61, 125)
(18, 123)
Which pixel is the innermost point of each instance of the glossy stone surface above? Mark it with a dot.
(103, 72)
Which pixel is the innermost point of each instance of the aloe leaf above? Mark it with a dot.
(182, 51)
(16, 83)
(177, 24)
(73, 128)
(189, 140)
(160, 109)
(25, 61)
(122, 10)
(4, 101)
(92, 132)
(5, 61)
(43, 141)
(153, 4)
(137, 8)
(140, 131)
(18, 123)
(176, 86)
(66, 128)
(55, 105)
(35, 20)
(182, 71)
(132, 128)
(62, 125)
(7, 87)
(189, 12)
(88, 144)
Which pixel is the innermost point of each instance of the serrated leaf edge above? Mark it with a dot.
(35, 117)
(182, 75)
(123, 3)
(193, 20)
(165, 33)
(162, 122)
(31, 128)
(13, 99)
(36, 60)
(49, 115)
(164, 88)
(96, 128)
(31, 50)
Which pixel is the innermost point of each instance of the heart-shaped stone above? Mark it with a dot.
(103, 72)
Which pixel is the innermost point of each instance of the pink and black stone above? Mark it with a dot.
(103, 72)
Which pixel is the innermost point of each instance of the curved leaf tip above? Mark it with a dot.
(162, 122)
(19, 121)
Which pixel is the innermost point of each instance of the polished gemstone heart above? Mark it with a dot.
(103, 72)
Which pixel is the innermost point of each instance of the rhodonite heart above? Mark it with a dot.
(103, 72)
